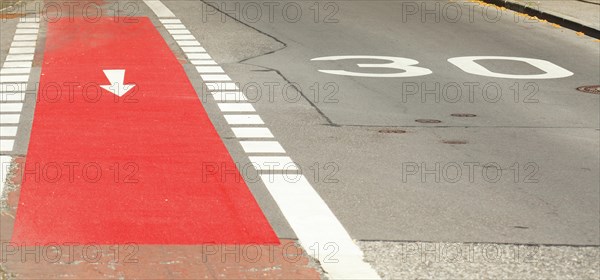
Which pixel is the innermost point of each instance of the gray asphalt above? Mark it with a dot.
(361, 135)
(550, 137)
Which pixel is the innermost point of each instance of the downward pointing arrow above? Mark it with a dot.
(116, 78)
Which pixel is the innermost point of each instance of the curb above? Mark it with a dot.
(564, 22)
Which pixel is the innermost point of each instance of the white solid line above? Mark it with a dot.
(179, 31)
(15, 70)
(28, 25)
(312, 220)
(8, 131)
(11, 107)
(9, 118)
(252, 132)
(184, 37)
(169, 21)
(18, 64)
(21, 50)
(15, 57)
(236, 96)
(14, 79)
(215, 78)
(25, 38)
(27, 31)
(174, 26)
(6, 145)
(23, 44)
(193, 49)
(209, 69)
(159, 8)
(12, 96)
(4, 167)
(243, 119)
(188, 43)
(236, 107)
(221, 86)
(262, 147)
(204, 62)
(198, 56)
(270, 163)
(316, 225)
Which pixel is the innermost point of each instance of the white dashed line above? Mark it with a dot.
(269, 163)
(235, 96)
(14, 76)
(307, 213)
(236, 107)
(255, 147)
(188, 43)
(243, 119)
(6, 145)
(252, 132)
(209, 69)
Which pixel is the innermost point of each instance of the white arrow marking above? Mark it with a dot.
(116, 79)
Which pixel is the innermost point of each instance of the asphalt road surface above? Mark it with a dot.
(417, 124)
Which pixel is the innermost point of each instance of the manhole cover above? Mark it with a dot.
(428, 121)
(463, 115)
(399, 131)
(590, 89)
(456, 142)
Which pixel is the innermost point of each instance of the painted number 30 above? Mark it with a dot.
(466, 63)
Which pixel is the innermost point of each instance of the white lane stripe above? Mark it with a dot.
(198, 56)
(18, 64)
(6, 145)
(235, 96)
(350, 264)
(262, 147)
(314, 223)
(174, 26)
(14, 79)
(159, 8)
(179, 31)
(29, 19)
(243, 119)
(184, 37)
(204, 62)
(252, 132)
(193, 49)
(15, 57)
(8, 131)
(21, 50)
(28, 25)
(188, 43)
(209, 69)
(221, 86)
(12, 96)
(236, 107)
(23, 44)
(25, 38)
(26, 31)
(24, 70)
(12, 87)
(215, 78)
(270, 163)
(169, 21)
(11, 107)
(9, 118)
(4, 165)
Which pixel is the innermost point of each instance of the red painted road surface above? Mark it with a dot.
(162, 162)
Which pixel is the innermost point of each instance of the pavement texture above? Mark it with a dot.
(354, 137)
